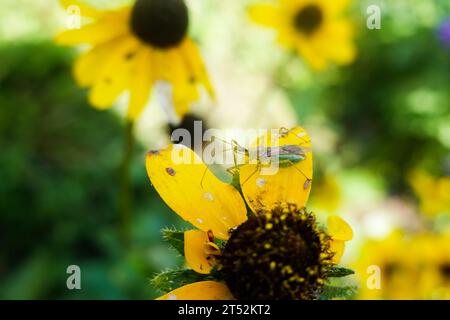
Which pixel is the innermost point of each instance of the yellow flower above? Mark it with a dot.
(327, 195)
(415, 267)
(277, 252)
(433, 193)
(133, 47)
(315, 29)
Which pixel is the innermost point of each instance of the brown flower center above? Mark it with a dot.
(308, 19)
(160, 23)
(279, 254)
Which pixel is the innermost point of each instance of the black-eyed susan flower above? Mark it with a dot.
(133, 47)
(433, 193)
(406, 267)
(315, 29)
(276, 251)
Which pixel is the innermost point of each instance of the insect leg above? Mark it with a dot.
(258, 166)
(203, 177)
(285, 131)
(308, 180)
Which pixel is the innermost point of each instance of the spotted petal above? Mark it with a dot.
(187, 186)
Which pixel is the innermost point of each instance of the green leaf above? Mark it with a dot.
(175, 238)
(170, 280)
(338, 272)
(331, 292)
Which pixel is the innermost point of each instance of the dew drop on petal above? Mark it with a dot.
(172, 297)
(199, 220)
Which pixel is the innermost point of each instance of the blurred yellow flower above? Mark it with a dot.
(315, 29)
(416, 267)
(433, 193)
(131, 48)
(278, 251)
(327, 194)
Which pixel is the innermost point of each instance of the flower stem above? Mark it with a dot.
(126, 192)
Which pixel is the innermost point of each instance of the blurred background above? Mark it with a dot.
(380, 130)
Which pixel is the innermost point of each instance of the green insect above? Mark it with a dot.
(285, 156)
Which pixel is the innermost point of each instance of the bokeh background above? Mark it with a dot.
(380, 129)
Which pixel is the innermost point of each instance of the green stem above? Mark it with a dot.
(126, 192)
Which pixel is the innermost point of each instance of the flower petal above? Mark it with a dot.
(337, 247)
(290, 184)
(187, 186)
(115, 74)
(204, 290)
(85, 9)
(264, 14)
(141, 82)
(338, 229)
(194, 251)
(336, 42)
(88, 66)
(106, 28)
(334, 7)
(196, 67)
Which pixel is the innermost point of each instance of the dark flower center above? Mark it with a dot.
(274, 255)
(445, 270)
(308, 19)
(160, 23)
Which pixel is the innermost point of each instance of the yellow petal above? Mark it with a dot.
(85, 10)
(194, 251)
(196, 67)
(141, 82)
(88, 66)
(334, 7)
(106, 28)
(184, 94)
(204, 290)
(264, 14)
(115, 75)
(290, 184)
(336, 42)
(337, 247)
(313, 57)
(338, 229)
(187, 186)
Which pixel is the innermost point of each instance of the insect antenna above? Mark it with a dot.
(285, 131)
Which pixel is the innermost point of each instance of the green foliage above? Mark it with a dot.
(170, 280)
(333, 292)
(59, 164)
(175, 238)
